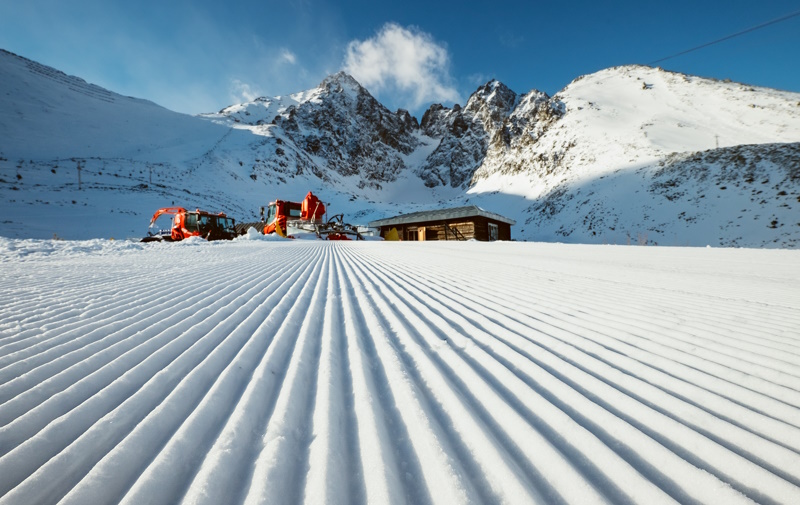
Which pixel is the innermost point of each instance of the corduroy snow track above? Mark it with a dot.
(374, 373)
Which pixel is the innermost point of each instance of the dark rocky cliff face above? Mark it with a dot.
(339, 127)
(465, 134)
(351, 131)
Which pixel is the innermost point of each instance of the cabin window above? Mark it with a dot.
(494, 232)
(191, 222)
(412, 234)
(225, 223)
(203, 223)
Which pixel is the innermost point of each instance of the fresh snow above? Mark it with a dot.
(50, 115)
(625, 155)
(276, 371)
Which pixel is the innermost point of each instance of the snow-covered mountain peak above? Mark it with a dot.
(262, 110)
(533, 101)
(465, 134)
(340, 87)
(341, 81)
(493, 95)
(658, 111)
(348, 131)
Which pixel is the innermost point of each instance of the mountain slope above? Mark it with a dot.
(592, 160)
(738, 196)
(623, 116)
(72, 154)
(465, 134)
(48, 115)
(78, 161)
(341, 125)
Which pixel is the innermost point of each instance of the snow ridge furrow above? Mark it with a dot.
(236, 447)
(770, 390)
(538, 486)
(199, 403)
(371, 414)
(332, 444)
(298, 371)
(519, 397)
(179, 353)
(69, 311)
(93, 345)
(443, 477)
(673, 409)
(280, 466)
(101, 366)
(131, 294)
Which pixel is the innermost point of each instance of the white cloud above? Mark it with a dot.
(404, 62)
(288, 56)
(262, 71)
(478, 79)
(241, 92)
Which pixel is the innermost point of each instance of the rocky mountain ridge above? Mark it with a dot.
(531, 157)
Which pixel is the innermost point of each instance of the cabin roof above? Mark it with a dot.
(441, 215)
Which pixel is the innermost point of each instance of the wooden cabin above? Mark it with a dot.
(460, 223)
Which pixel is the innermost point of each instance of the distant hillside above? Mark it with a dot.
(626, 155)
(737, 196)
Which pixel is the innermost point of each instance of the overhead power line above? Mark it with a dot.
(748, 30)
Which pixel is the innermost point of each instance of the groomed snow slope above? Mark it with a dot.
(288, 372)
(49, 115)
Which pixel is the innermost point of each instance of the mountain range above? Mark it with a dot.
(630, 154)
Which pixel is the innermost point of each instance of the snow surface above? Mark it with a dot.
(81, 162)
(51, 115)
(276, 371)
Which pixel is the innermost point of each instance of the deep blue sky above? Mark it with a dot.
(199, 56)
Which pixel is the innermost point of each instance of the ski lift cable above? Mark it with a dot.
(748, 30)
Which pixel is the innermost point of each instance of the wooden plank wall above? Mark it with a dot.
(475, 228)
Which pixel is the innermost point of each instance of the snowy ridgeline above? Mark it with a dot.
(373, 373)
(625, 155)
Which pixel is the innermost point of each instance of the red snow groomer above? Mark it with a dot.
(188, 223)
(292, 219)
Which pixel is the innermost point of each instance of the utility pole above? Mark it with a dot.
(79, 175)
(717, 137)
(150, 169)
